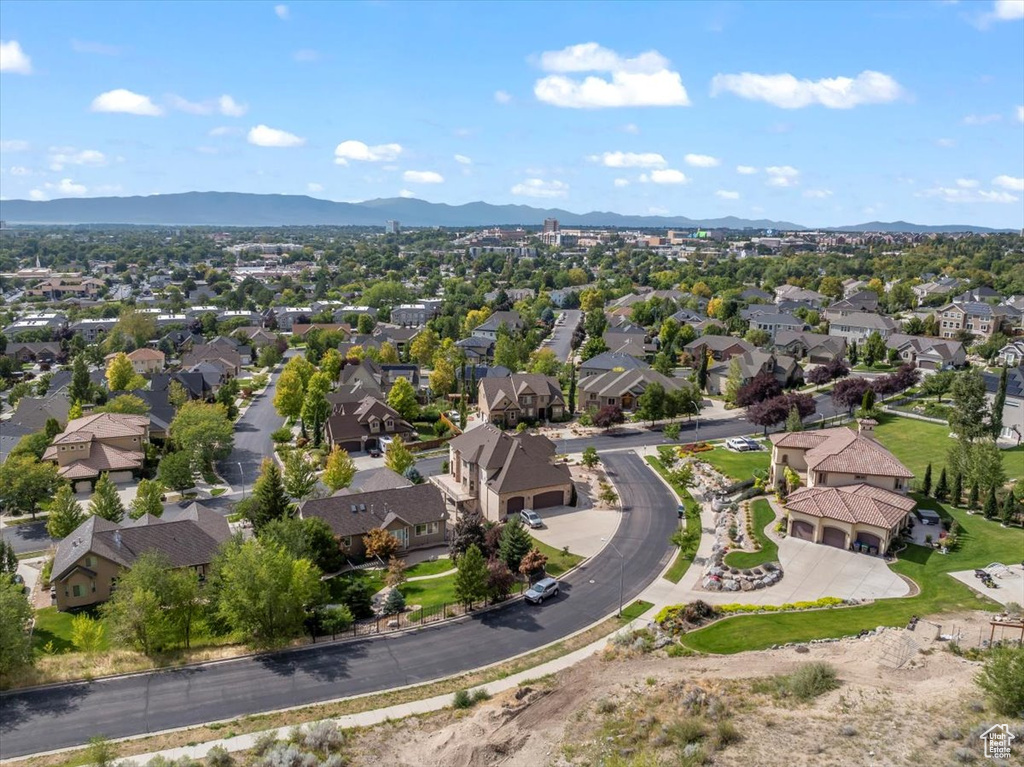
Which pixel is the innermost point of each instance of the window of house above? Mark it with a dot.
(76, 590)
(430, 528)
(390, 424)
(859, 476)
(347, 541)
(90, 561)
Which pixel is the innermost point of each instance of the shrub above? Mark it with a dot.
(395, 602)
(218, 756)
(726, 733)
(323, 738)
(462, 699)
(606, 706)
(1002, 679)
(284, 434)
(101, 752)
(812, 680)
(689, 729)
(480, 695)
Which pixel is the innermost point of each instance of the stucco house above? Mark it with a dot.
(928, 353)
(112, 443)
(414, 515)
(816, 347)
(979, 319)
(720, 347)
(521, 396)
(489, 328)
(853, 491)
(858, 326)
(500, 475)
(621, 388)
(89, 561)
(786, 369)
(145, 361)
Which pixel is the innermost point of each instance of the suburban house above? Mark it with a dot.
(1013, 409)
(301, 329)
(786, 369)
(145, 361)
(499, 474)
(979, 319)
(817, 348)
(941, 286)
(607, 361)
(861, 301)
(621, 388)
(771, 321)
(93, 444)
(853, 491)
(1011, 355)
(286, 316)
(356, 426)
(631, 339)
(415, 515)
(89, 561)
(417, 314)
(721, 348)
(476, 348)
(221, 355)
(48, 321)
(795, 293)
(489, 328)
(34, 351)
(92, 330)
(66, 286)
(858, 326)
(928, 353)
(521, 396)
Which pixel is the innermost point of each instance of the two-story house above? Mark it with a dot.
(145, 361)
(489, 328)
(522, 396)
(853, 491)
(356, 426)
(112, 443)
(858, 326)
(979, 319)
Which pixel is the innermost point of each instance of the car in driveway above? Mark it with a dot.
(742, 444)
(541, 590)
(531, 518)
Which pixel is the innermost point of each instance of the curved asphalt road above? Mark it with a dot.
(68, 715)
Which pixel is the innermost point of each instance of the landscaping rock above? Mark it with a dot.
(758, 584)
(746, 586)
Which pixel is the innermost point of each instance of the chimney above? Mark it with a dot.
(866, 427)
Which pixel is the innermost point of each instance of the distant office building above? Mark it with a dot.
(392, 227)
(550, 225)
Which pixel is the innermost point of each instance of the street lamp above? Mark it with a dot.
(622, 564)
(242, 475)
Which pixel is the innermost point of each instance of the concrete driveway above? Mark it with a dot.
(581, 528)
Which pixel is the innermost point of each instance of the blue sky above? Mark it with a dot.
(821, 114)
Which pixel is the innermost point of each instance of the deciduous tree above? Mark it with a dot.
(402, 398)
(299, 475)
(146, 500)
(398, 457)
(471, 579)
(15, 617)
(203, 431)
(968, 415)
(121, 376)
(340, 469)
(380, 543)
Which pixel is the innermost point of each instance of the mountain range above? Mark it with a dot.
(242, 209)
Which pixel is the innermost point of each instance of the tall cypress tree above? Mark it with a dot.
(1009, 508)
(572, 388)
(926, 483)
(996, 415)
(942, 488)
(991, 505)
(975, 495)
(956, 496)
(702, 369)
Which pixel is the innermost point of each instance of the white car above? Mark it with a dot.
(738, 444)
(530, 518)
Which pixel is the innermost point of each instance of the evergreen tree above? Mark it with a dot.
(851, 353)
(991, 505)
(793, 421)
(926, 483)
(974, 496)
(79, 389)
(105, 501)
(463, 413)
(147, 500)
(996, 416)
(1009, 509)
(269, 499)
(65, 514)
(394, 603)
(942, 488)
(471, 578)
(513, 544)
(702, 369)
(956, 495)
(572, 388)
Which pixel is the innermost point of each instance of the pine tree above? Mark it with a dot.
(65, 514)
(926, 483)
(269, 500)
(793, 422)
(996, 414)
(572, 388)
(105, 501)
(851, 353)
(956, 496)
(974, 497)
(515, 542)
(991, 505)
(702, 369)
(80, 383)
(147, 500)
(1009, 509)
(942, 488)
(471, 578)
(395, 602)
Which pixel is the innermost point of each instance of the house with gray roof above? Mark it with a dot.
(785, 369)
(979, 319)
(817, 348)
(858, 326)
(520, 397)
(488, 329)
(767, 319)
(622, 388)
(928, 353)
(606, 361)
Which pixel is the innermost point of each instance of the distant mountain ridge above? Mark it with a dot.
(244, 209)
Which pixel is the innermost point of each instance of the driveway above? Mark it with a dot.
(583, 528)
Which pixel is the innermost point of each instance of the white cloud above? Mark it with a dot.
(67, 187)
(782, 175)
(461, 159)
(261, 135)
(38, 195)
(535, 187)
(645, 80)
(502, 97)
(282, 12)
(1009, 182)
(20, 170)
(61, 156)
(1020, 114)
(982, 119)
(231, 108)
(967, 183)
(958, 195)
(406, 193)
(98, 49)
(725, 194)
(818, 194)
(787, 92)
(634, 129)
(665, 176)
(306, 55)
(126, 102)
(314, 187)
(629, 159)
(189, 107)
(14, 145)
(746, 170)
(13, 59)
(1002, 10)
(357, 150)
(621, 182)
(945, 143)
(702, 161)
(423, 177)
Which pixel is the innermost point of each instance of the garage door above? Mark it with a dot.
(549, 499)
(803, 530)
(833, 536)
(868, 539)
(515, 504)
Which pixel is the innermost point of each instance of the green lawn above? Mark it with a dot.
(684, 557)
(430, 568)
(430, 593)
(737, 466)
(769, 551)
(53, 626)
(635, 610)
(982, 542)
(558, 561)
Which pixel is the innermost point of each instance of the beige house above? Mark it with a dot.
(853, 491)
(111, 443)
(89, 561)
(521, 396)
(145, 361)
(979, 319)
(499, 475)
(622, 388)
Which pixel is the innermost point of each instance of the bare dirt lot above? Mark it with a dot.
(902, 699)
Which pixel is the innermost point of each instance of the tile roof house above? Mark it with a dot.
(89, 561)
(414, 515)
(854, 492)
(621, 388)
(499, 475)
(105, 442)
(520, 397)
(786, 369)
(928, 353)
(357, 426)
(816, 347)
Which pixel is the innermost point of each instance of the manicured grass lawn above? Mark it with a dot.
(635, 610)
(431, 593)
(558, 561)
(430, 568)
(982, 542)
(218, 491)
(737, 466)
(684, 557)
(769, 552)
(54, 626)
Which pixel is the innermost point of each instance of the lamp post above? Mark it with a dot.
(242, 475)
(622, 564)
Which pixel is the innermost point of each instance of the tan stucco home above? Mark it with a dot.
(853, 491)
(105, 442)
(145, 361)
(414, 515)
(89, 561)
(521, 396)
(622, 388)
(499, 474)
